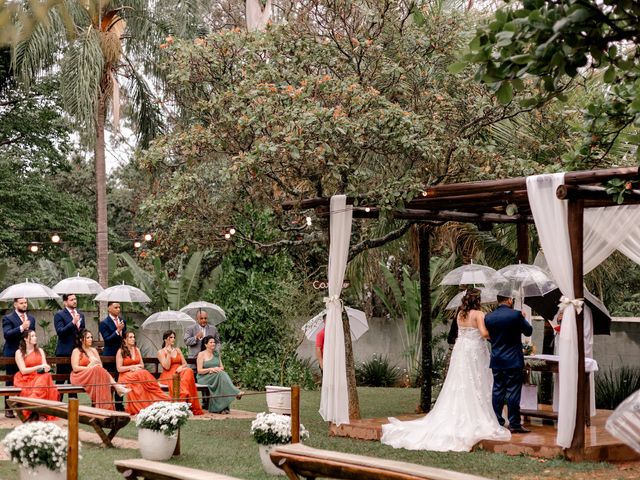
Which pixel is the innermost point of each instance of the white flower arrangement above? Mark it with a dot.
(38, 443)
(165, 417)
(273, 428)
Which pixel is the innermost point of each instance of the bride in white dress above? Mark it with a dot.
(463, 414)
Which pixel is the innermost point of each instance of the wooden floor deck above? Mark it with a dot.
(600, 445)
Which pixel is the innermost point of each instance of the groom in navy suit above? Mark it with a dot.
(13, 326)
(112, 330)
(67, 322)
(506, 326)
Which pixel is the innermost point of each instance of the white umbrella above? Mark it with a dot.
(168, 320)
(487, 295)
(528, 280)
(28, 289)
(78, 285)
(215, 313)
(357, 323)
(122, 293)
(471, 274)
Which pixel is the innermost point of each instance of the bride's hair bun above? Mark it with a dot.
(471, 300)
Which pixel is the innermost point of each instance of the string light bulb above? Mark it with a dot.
(55, 238)
(137, 244)
(232, 231)
(33, 248)
(227, 236)
(147, 237)
(367, 209)
(308, 221)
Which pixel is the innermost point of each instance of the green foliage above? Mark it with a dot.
(372, 113)
(557, 43)
(405, 303)
(377, 372)
(613, 386)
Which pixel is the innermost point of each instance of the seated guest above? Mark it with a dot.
(33, 376)
(87, 371)
(144, 387)
(211, 372)
(173, 362)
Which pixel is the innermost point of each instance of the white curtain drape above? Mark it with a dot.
(550, 216)
(334, 400)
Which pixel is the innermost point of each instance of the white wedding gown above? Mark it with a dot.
(463, 414)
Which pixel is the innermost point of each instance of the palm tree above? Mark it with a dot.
(85, 41)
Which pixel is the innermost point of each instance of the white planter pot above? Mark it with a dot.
(279, 399)
(41, 473)
(267, 464)
(155, 445)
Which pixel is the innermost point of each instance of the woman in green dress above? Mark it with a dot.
(211, 372)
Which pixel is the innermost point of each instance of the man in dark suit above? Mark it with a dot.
(13, 326)
(67, 322)
(112, 330)
(506, 326)
(193, 336)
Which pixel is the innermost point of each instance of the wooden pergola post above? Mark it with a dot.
(522, 230)
(575, 219)
(426, 324)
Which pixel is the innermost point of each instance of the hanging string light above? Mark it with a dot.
(308, 221)
(33, 248)
(148, 237)
(55, 238)
(137, 244)
(232, 231)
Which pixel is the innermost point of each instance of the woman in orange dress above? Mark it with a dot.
(144, 387)
(33, 376)
(87, 371)
(173, 362)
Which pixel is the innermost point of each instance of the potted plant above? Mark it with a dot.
(158, 426)
(40, 448)
(270, 430)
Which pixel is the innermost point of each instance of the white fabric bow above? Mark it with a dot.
(566, 301)
(333, 299)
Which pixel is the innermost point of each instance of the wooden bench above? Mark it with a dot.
(299, 460)
(138, 468)
(99, 418)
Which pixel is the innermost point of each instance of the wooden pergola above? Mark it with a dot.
(487, 202)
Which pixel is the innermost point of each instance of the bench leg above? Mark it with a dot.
(106, 438)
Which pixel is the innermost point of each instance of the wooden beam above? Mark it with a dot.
(485, 198)
(295, 414)
(576, 225)
(594, 194)
(520, 183)
(442, 215)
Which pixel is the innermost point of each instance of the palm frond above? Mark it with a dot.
(35, 52)
(82, 68)
(147, 116)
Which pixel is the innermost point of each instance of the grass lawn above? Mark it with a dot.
(226, 447)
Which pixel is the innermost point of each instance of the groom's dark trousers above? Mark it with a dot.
(507, 384)
(505, 327)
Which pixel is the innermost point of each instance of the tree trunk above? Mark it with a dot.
(102, 239)
(350, 365)
(424, 232)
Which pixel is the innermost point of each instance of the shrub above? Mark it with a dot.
(377, 372)
(613, 386)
